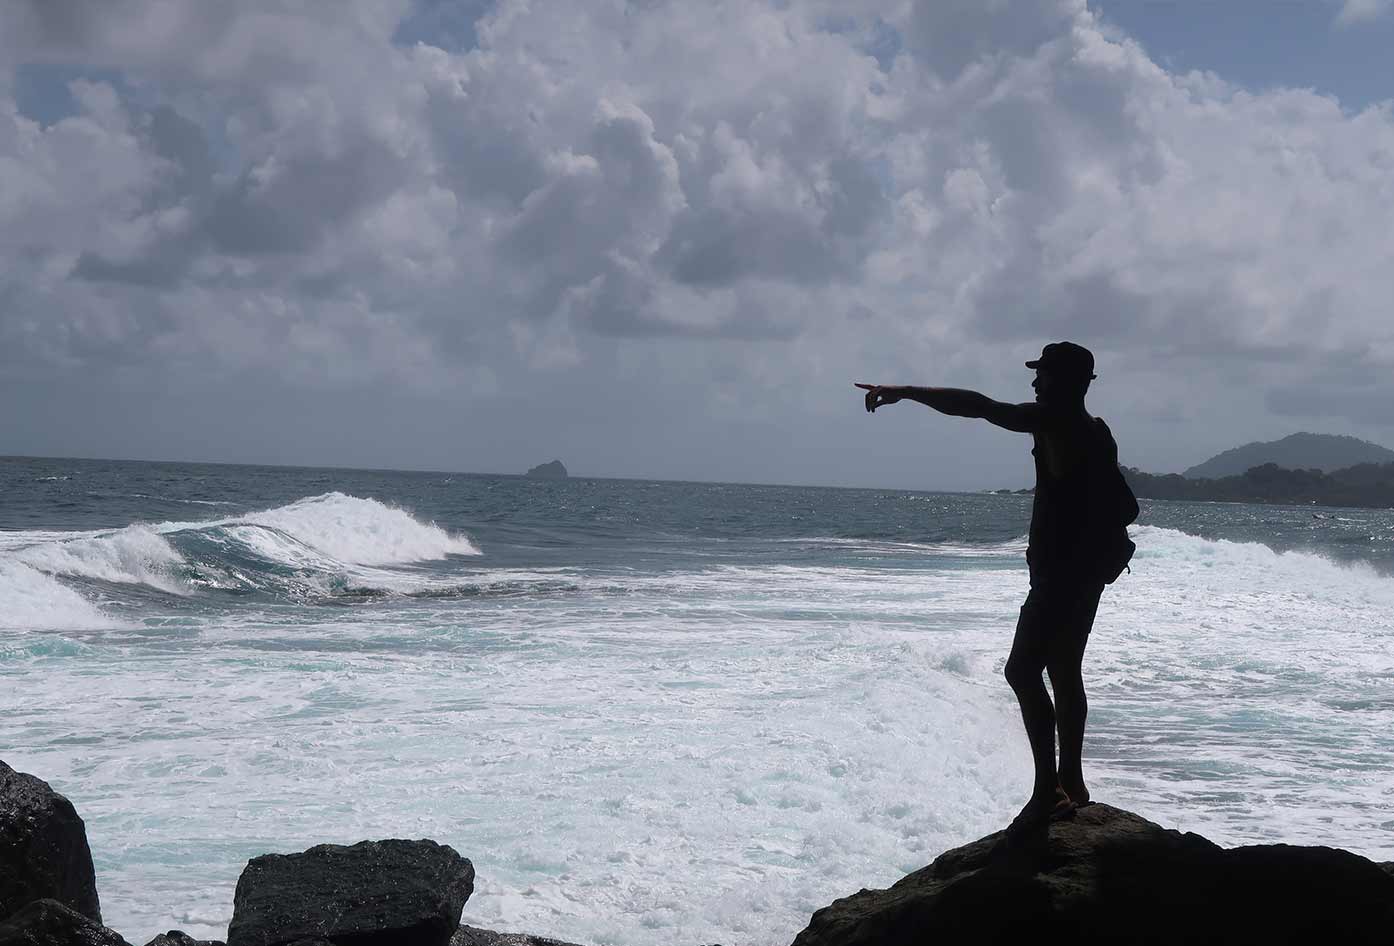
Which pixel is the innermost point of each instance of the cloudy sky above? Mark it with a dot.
(662, 238)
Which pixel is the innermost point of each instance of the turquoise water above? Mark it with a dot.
(649, 712)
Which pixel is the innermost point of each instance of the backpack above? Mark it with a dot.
(1120, 509)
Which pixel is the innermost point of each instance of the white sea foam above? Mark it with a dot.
(361, 531)
(31, 600)
(187, 502)
(134, 555)
(1016, 546)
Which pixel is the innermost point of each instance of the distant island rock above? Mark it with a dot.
(548, 471)
(1302, 451)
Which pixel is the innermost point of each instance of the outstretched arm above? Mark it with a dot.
(1023, 418)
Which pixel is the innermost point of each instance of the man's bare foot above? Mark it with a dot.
(1075, 788)
(1042, 808)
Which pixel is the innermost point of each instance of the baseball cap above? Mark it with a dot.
(1066, 358)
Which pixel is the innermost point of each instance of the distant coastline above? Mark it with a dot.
(1301, 469)
(1364, 486)
(1367, 485)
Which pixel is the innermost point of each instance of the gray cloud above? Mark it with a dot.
(1354, 12)
(1367, 404)
(949, 35)
(287, 206)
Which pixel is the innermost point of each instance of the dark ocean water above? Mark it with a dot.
(649, 711)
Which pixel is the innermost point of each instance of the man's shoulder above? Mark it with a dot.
(1061, 417)
(1104, 431)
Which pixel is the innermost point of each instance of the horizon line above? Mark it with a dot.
(570, 475)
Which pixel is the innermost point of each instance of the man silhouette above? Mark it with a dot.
(1067, 557)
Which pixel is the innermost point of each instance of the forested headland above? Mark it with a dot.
(1365, 484)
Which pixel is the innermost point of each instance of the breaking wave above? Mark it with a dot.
(320, 545)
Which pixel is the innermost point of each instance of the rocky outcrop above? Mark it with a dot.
(1110, 876)
(374, 893)
(548, 471)
(50, 923)
(43, 848)
(471, 936)
(180, 938)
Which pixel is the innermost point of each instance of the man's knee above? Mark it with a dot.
(1064, 661)
(1022, 672)
(1064, 672)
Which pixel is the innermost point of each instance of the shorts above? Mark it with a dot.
(1056, 618)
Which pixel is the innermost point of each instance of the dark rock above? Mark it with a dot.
(180, 938)
(1109, 876)
(374, 893)
(50, 923)
(472, 936)
(43, 848)
(548, 471)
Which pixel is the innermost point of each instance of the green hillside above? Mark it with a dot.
(1303, 451)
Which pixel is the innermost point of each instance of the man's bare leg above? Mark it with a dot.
(1038, 715)
(1071, 709)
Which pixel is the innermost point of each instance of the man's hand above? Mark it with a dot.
(879, 394)
(956, 402)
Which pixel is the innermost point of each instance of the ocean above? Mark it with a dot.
(650, 713)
